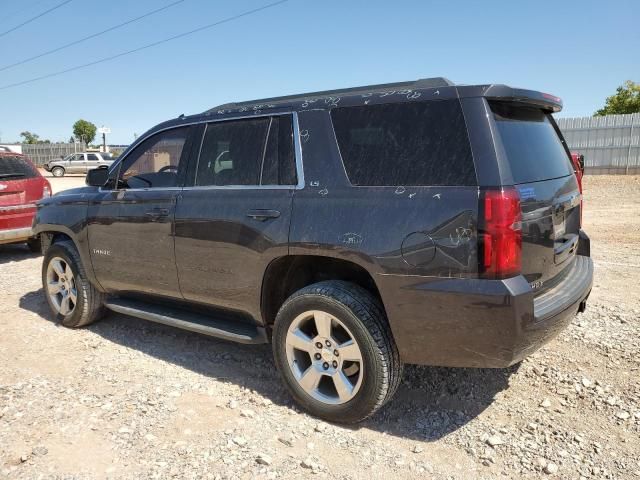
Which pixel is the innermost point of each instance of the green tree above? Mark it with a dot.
(626, 100)
(84, 131)
(29, 137)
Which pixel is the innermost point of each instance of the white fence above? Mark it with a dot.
(610, 144)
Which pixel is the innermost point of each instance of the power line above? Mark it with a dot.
(20, 10)
(35, 18)
(94, 35)
(159, 42)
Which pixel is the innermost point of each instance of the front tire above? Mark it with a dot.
(333, 347)
(72, 298)
(57, 171)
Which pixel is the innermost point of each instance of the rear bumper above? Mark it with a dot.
(15, 235)
(16, 222)
(480, 323)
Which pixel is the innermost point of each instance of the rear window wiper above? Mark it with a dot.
(15, 174)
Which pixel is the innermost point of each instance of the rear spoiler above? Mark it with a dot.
(509, 94)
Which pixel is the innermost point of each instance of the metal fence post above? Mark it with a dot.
(630, 143)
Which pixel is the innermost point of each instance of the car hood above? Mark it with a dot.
(71, 194)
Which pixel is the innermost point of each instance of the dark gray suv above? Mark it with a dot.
(356, 230)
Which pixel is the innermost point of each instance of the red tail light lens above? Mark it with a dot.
(500, 233)
(577, 167)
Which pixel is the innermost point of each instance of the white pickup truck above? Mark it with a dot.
(78, 163)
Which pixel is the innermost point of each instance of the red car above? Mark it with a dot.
(21, 186)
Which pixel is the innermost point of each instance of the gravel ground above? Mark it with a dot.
(129, 399)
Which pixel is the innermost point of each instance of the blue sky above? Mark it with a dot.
(578, 50)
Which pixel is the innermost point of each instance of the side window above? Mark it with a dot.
(279, 166)
(92, 156)
(232, 152)
(155, 162)
(78, 157)
(414, 143)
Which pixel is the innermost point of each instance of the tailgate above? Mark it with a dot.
(549, 194)
(20, 182)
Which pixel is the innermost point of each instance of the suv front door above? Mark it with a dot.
(77, 164)
(131, 222)
(232, 219)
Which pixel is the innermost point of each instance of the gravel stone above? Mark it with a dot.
(494, 441)
(551, 468)
(128, 399)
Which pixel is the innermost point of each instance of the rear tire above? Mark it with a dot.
(72, 298)
(356, 370)
(57, 171)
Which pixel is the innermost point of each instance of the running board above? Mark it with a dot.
(234, 331)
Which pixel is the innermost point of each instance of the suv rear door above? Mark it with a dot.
(233, 219)
(93, 161)
(549, 194)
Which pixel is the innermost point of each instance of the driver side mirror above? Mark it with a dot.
(98, 177)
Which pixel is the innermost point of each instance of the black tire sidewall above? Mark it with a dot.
(72, 320)
(365, 400)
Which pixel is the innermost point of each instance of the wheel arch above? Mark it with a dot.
(51, 233)
(288, 274)
(64, 170)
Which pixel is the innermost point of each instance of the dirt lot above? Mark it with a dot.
(129, 399)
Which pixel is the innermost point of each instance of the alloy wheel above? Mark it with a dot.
(61, 286)
(324, 357)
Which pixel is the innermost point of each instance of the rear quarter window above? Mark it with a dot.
(534, 149)
(15, 168)
(413, 144)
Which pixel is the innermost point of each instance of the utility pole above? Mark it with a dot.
(104, 130)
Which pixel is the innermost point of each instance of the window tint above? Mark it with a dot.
(416, 143)
(279, 163)
(155, 162)
(531, 143)
(14, 168)
(92, 156)
(232, 152)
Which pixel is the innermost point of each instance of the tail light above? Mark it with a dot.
(500, 233)
(578, 167)
(46, 190)
(579, 178)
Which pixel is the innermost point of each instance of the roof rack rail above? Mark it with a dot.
(434, 82)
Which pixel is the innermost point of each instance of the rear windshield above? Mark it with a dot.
(12, 168)
(532, 145)
(413, 143)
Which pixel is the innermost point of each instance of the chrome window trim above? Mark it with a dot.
(297, 147)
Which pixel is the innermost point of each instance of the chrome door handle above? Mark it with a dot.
(157, 213)
(262, 215)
